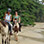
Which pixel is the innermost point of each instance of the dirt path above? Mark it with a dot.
(30, 35)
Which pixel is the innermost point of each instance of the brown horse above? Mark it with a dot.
(4, 32)
(16, 29)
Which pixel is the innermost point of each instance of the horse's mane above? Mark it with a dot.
(3, 23)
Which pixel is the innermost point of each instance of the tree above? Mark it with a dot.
(28, 10)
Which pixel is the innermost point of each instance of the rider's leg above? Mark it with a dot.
(13, 23)
(19, 27)
(10, 29)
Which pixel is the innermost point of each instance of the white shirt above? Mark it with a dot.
(8, 16)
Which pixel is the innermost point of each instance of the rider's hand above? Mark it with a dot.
(9, 20)
(19, 22)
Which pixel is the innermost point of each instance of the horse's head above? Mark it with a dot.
(16, 27)
(3, 23)
(1, 27)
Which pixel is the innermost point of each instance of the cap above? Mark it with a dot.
(9, 10)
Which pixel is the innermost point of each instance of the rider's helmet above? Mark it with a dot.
(9, 10)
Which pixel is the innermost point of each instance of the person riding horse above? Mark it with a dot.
(16, 22)
(4, 32)
(7, 19)
(17, 17)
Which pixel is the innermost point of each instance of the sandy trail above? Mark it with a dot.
(30, 35)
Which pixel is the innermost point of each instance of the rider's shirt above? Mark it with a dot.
(17, 17)
(8, 17)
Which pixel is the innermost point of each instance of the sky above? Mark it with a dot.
(40, 0)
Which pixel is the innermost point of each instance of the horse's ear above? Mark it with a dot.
(3, 23)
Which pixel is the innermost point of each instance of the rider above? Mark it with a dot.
(8, 18)
(17, 17)
(16, 20)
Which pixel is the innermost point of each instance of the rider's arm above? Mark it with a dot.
(4, 16)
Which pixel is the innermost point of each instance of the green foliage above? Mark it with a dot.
(29, 10)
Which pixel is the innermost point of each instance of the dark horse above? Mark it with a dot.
(16, 28)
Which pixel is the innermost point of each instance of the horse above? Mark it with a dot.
(4, 32)
(16, 29)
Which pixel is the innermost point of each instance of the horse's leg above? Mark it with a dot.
(6, 38)
(8, 42)
(5, 41)
(2, 39)
(9, 37)
(16, 37)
